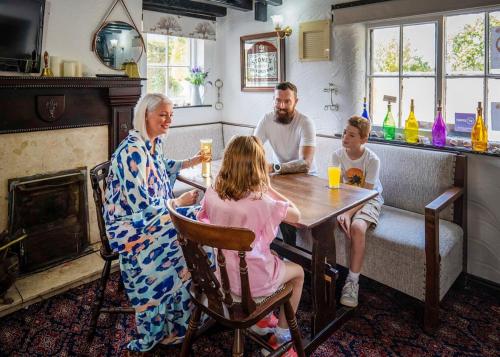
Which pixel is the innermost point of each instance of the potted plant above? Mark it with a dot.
(197, 77)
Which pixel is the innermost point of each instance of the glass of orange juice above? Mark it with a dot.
(333, 176)
(206, 152)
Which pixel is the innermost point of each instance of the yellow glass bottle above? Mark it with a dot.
(479, 134)
(411, 126)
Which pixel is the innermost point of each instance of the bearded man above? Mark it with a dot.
(292, 135)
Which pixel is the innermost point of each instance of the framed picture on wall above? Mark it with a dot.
(262, 58)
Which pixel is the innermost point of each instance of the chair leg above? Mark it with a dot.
(99, 299)
(238, 344)
(194, 322)
(431, 317)
(294, 329)
(121, 287)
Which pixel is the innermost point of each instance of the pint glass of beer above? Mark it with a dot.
(206, 151)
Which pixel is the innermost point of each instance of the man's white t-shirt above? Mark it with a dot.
(286, 139)
(357, 172)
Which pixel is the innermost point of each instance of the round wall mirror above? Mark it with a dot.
(117, 42)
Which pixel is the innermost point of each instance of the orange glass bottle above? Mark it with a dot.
(479, 134)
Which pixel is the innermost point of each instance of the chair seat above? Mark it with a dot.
(240, 319)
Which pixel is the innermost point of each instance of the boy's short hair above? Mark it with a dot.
(285, 86)
(363, 125)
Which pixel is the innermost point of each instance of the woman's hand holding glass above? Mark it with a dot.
(195, 160)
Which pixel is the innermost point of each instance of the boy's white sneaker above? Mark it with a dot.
(350, 294)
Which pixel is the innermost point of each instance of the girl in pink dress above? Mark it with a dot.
(242, 196)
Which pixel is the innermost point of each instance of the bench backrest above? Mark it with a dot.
(411, 178)
(183, 142)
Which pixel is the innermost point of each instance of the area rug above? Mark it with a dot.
(386, 323)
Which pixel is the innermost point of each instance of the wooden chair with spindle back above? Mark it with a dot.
(98, 177)
(214, 297)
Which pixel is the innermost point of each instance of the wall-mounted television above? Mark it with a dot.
(21, 27)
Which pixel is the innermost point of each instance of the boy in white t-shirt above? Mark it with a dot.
(360, 167)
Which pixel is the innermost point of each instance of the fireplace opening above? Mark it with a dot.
(53, 210)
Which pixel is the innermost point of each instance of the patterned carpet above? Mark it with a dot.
(384, 324)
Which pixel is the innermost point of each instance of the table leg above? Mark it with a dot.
(323, 292)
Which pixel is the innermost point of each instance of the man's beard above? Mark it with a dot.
(283, 116)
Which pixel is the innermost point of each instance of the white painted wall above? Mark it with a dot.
(70, 25)
(345, 69)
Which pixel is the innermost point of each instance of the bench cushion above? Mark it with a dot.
(395, 256)
(413, 178)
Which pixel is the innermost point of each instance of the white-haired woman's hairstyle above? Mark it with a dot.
(148, 103)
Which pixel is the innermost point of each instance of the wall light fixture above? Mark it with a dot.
(278, 23)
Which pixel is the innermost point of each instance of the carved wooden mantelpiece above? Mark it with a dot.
(50, 103)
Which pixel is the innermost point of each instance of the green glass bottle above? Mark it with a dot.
(389, 126)
(411, 126)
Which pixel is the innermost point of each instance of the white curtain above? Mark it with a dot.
(175, 25)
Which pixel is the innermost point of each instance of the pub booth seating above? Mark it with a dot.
(419, 245)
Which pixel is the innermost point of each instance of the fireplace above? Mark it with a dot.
(53, 210)
(55, 124)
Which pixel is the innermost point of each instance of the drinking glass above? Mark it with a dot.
(333, 176)
(206, 151)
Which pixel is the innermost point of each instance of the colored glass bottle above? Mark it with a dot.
(439, 128)
(365, 112)
(389, 126)
(411, 126)
(479, 134)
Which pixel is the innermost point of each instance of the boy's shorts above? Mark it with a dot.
(369, 212)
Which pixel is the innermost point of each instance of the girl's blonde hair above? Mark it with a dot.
(148, 103)
(244, 169)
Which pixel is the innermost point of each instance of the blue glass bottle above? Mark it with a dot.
(365, 112)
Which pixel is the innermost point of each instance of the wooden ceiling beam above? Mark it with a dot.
(242, 5)
(185, 8)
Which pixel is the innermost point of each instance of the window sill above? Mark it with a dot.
(459, 149)
(192, 106)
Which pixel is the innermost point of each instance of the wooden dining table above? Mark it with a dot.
(319, 206)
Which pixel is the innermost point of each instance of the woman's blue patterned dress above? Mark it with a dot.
(139, 228)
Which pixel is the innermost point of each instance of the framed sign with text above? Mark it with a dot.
(262, 59)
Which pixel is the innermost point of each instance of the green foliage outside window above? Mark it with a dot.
(156, 52)
(466, 49)
(386, 59)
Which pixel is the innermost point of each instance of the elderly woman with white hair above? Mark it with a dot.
(139, 228)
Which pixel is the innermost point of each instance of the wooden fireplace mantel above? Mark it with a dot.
(51, 103)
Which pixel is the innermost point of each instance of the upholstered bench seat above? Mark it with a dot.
(395, 252)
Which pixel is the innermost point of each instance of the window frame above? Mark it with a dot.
(440, 71)
(194, 43)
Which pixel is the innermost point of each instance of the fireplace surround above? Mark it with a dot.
(52, 125)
